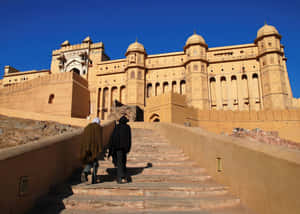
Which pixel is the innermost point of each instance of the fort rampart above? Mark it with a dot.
(172, 108)
(64, 94)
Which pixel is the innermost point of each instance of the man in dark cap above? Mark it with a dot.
(120, 147)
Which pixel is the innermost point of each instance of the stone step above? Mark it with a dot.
(141, 142)
(165, 192)
(229, 210)
(155, 154)
(156, 158)
(136, 163)
(140, 178)
(203, 186)
(155, 150)
(158, 170)
(94, 202)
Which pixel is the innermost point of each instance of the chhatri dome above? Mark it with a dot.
(195, 39)
(135, 47)
(267, 30)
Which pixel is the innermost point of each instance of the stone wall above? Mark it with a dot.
(39, 166)
(265, 177)
(55, 94)
(172, 108)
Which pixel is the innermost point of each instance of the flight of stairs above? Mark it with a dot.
(164, 181)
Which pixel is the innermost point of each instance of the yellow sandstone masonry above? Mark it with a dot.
(218, 88)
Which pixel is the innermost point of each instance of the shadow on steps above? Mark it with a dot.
(52, 203)
(131, 171)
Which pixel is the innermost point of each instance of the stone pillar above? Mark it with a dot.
(229, 93)
(218, 93)
(109, 100)
(93, 103)
(101, 104)
(119, 94)
(239, 92)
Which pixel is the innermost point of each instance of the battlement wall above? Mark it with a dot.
(78, 47)
(51, 94)
(172, 108)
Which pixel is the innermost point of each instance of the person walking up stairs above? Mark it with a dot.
(164, 181)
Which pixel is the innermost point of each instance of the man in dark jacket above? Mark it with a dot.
(120, 147)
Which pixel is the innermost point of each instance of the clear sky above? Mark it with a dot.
(30, 30)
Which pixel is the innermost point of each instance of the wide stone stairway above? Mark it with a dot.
(164, 181)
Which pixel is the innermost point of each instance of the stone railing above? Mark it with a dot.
(27, 172)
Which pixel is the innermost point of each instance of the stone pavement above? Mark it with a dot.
(164, 181)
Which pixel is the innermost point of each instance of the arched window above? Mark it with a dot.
(157, 89)
(255, 86)
(223, 78)
(165, 87)
(234, 92)
(114, 95)
(123, 94)
(224, 92)
(244, 92)
(75, 70)
(182, 87)
(174, 86)
(51, 98)
(195, 68)
(202, 68)
(154, 118)
(105, 101)
(132, 75)
(212, 84)
(139, 76)
(149, 90)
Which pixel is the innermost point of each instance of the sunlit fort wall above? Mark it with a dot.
(250, 77)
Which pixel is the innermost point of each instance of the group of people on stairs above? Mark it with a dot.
(92, 149)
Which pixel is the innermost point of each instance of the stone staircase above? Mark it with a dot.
(164, 181)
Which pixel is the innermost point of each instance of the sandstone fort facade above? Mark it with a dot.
(83, 81)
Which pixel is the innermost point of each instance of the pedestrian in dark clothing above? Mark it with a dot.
(90, 148)
(120, 147)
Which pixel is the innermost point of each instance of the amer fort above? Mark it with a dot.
(214, 129)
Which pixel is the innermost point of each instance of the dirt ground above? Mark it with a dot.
(16, 131)
(265, 137)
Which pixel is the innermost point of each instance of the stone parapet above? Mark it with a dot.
(263, 176)
(55, 159)
(37, 82)
(78, 47)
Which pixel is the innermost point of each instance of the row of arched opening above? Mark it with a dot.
(106, 98)
(235, 92)
(158, 88)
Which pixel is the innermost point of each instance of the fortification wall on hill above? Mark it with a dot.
(172, 108)
(64, 94)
